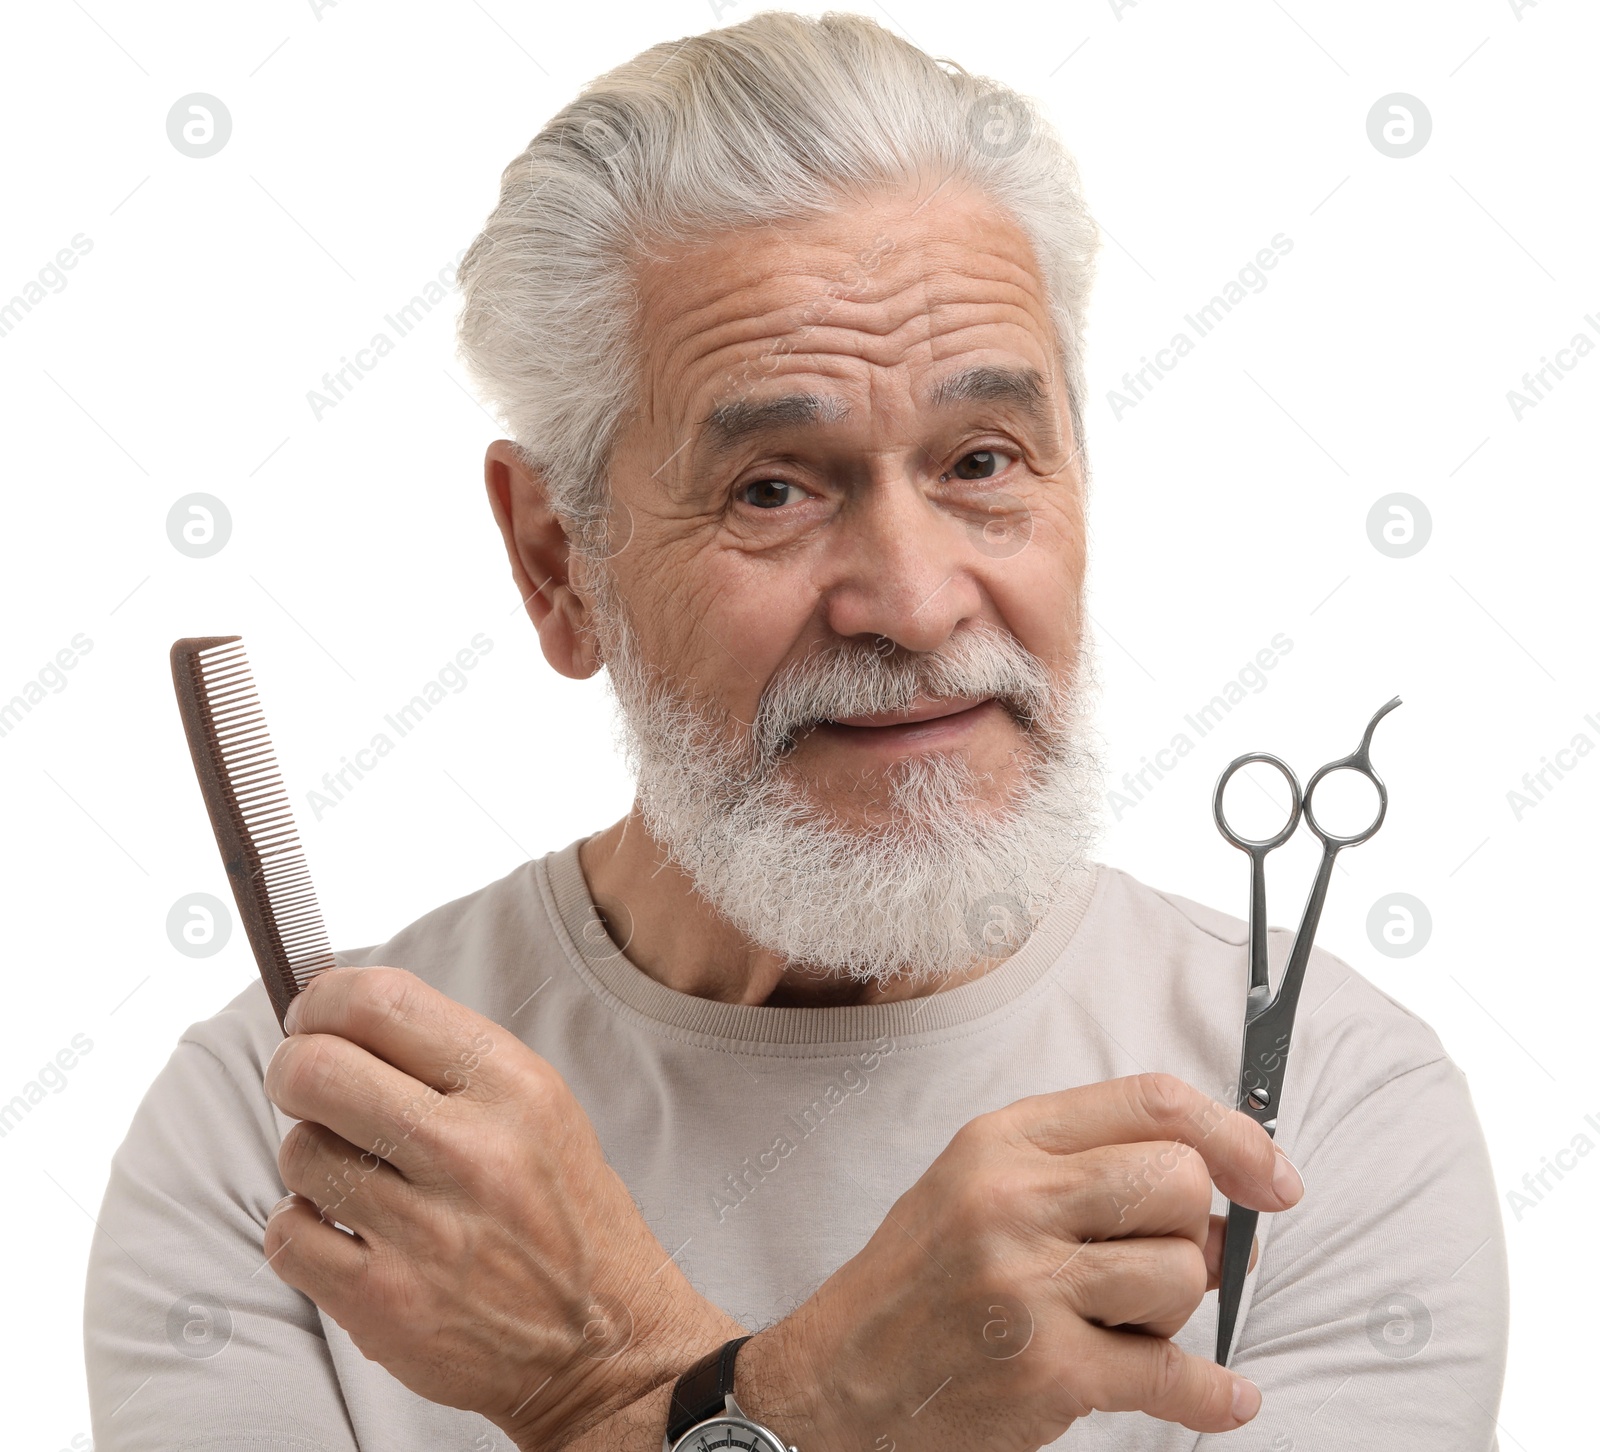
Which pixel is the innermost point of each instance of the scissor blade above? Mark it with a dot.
(1240, 1235)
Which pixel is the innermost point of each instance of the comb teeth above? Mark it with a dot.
(250, 814)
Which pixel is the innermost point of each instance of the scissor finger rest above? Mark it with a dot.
(1359, 761)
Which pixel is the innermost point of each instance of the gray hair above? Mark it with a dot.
(780, 117)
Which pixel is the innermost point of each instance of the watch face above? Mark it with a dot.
(728, 1434)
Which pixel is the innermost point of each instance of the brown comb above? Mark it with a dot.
(250, 814)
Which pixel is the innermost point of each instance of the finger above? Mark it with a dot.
(1239, 1154)
(327, 1080)
(1152, 1285)
(1130, 1372)
(346, 1185)
(407, 1023)
(1128, 1189)
(1214, 1242)
(309, 1254)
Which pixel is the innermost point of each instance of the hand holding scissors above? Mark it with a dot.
(1268, 1020)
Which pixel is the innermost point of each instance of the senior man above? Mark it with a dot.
(839, 1041)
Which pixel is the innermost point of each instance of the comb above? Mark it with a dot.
(250, 814)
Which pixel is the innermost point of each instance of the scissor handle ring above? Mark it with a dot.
(1356, 763)
(1245, 844)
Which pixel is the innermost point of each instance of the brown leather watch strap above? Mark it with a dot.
(702, 1391)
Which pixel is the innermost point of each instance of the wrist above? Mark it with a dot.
(618, 1360)
(780, 1383)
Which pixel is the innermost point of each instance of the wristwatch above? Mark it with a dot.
(704, 1416)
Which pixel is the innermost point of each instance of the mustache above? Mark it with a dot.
(858, 678)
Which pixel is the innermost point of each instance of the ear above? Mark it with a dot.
(541, 559)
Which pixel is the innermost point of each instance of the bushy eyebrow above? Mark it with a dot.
(989, 383)
(737, 419)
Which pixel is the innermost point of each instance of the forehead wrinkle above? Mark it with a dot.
(898, 310)
(688, 325)
(935, 328)
(881, 309)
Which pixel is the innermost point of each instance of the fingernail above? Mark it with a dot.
(266, 1073)
(282, 1204)
(1246, 1399)
(291, 1015)
(1286, 1181)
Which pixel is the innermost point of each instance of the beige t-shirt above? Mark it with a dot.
(764, 1145)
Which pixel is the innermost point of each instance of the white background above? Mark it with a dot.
(1230, 505)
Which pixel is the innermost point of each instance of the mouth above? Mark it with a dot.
(925, 724)
(935, 710)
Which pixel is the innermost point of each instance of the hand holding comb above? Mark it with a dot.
(250, 814)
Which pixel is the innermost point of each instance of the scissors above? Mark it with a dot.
(1269, 1020)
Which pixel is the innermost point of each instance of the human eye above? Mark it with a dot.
(981, 464)
(770, 493)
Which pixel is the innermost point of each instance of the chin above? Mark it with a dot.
(900, 879)
(887, 803)
(888, 798)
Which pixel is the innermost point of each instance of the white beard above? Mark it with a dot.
(941, 881)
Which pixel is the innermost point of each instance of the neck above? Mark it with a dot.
(668, 931)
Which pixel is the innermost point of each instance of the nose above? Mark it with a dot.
(901, 568)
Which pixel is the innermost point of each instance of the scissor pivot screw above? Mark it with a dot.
(1259, 1098)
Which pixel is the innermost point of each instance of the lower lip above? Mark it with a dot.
(936, 731)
